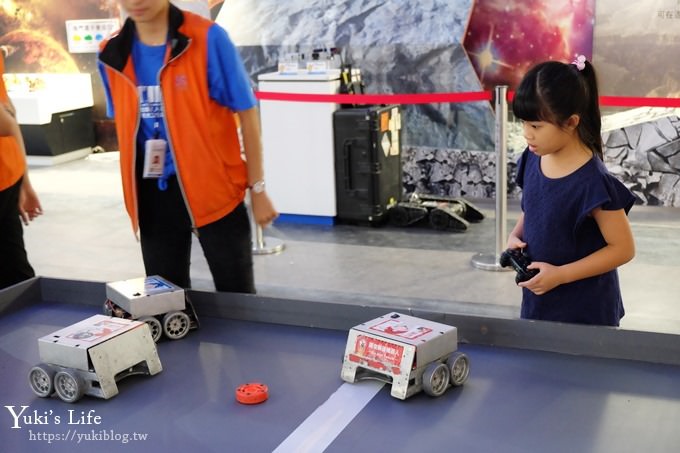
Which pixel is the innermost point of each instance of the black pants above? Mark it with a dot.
(14, 265)
(166, 235)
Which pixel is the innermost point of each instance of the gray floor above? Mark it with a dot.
(85, 235)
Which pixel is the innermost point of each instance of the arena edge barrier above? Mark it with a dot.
(573, 339)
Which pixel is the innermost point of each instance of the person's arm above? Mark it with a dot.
(619, 250)
(8, 125)
(515, 238)
(230, 86)
(262, 207)
(29, 203)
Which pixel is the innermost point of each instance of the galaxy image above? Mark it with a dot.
(504, 39)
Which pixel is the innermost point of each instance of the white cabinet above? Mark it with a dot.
(297, 140)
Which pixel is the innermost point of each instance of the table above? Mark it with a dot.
(54, 112)
(516, 400)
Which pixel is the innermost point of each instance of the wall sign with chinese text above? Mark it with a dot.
(84, 36)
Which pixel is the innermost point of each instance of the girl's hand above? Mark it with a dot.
(515, 243)
(548, 277)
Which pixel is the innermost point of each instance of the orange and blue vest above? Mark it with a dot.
(12, 160)
(202, 132)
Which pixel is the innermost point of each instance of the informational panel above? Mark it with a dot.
(84, 36)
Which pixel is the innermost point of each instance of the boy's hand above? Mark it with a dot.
(263, 209)
(29, 204)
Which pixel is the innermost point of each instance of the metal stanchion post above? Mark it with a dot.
(260, 246)
(489, 262)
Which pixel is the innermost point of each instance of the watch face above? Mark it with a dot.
(258, 187)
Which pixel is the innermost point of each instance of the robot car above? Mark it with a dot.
(91, 356)
(409, 353)
(443, 213)
(164, 306)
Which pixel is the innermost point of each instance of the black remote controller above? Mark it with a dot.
(519, 261)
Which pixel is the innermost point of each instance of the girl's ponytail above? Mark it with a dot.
(590, 126)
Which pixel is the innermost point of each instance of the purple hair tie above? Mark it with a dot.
(579, 62)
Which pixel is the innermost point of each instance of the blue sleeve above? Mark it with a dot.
(606, 192)
(107, 89)
(519, 178)
(228, 80)
(620, 197)
(521, 165)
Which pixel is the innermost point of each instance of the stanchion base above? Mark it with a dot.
(269, 246)
(488, 262)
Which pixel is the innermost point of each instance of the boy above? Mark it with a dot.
(177, 89)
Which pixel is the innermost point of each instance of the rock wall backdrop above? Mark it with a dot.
(402, 46)
(459, 46)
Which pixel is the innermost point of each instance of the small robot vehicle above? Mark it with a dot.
(442, 213)
(91, 356)
(165, 307)
(410, 353)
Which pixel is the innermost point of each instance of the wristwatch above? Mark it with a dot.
(258, 186)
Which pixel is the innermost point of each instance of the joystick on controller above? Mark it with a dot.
(519, 261)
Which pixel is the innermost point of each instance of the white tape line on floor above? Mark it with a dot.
(317, 432)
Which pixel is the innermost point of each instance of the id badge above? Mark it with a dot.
(154, 158)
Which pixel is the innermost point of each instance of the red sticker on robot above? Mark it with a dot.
(96, 331)
(400, 329)
(380, 351)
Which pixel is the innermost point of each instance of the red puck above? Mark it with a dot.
(252, 393)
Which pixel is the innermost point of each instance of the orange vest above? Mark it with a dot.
(12, 160)
(202, 134)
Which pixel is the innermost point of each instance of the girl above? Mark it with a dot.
(573, 222)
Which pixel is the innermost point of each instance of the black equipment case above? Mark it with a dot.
(367, 162)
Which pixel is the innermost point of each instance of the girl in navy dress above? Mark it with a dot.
(574, 223)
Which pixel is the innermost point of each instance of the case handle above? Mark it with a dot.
(347, 164)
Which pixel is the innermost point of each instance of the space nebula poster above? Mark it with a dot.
(504, 39)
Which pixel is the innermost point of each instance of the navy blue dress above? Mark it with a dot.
(558, 229)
